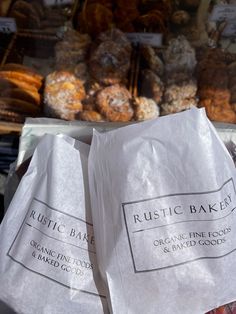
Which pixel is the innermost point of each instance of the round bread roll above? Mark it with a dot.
(114, 102)
(145, 109)
(110, 63)
(63, 95)
(178, 106)
(180, 90)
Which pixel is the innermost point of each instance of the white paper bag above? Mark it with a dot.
(164, 193)
(47, 248)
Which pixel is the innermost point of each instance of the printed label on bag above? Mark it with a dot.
(57, 246)
(176, 229)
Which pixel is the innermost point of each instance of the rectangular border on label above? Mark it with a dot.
(170, 195)
(38, 273)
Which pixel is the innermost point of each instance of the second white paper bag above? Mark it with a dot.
(164, 193)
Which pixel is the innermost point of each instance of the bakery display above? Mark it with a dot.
(98, 75)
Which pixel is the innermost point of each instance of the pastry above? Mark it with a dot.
(39, 8)
(20, 106)
(152, 59)
(217, 113)
(216, 94)
(61, 76)
(213, 86)
(95, 18)
(116, 36)
(72, 49)
(106, 3)
(152, 86)
(145, 109)
(154, 21)
(70, 52)
(12, 83)
(90, 115)
(114, 102)
(89, 103)
(163, 6)
(24, 77)
(26, 14)
(15, 67)
(109, 63)
(124, 19)
(178, 106)
(25, 95)
(180, 56)
(63, 95)
(180, 17)
(81, 72)
(180, 90)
